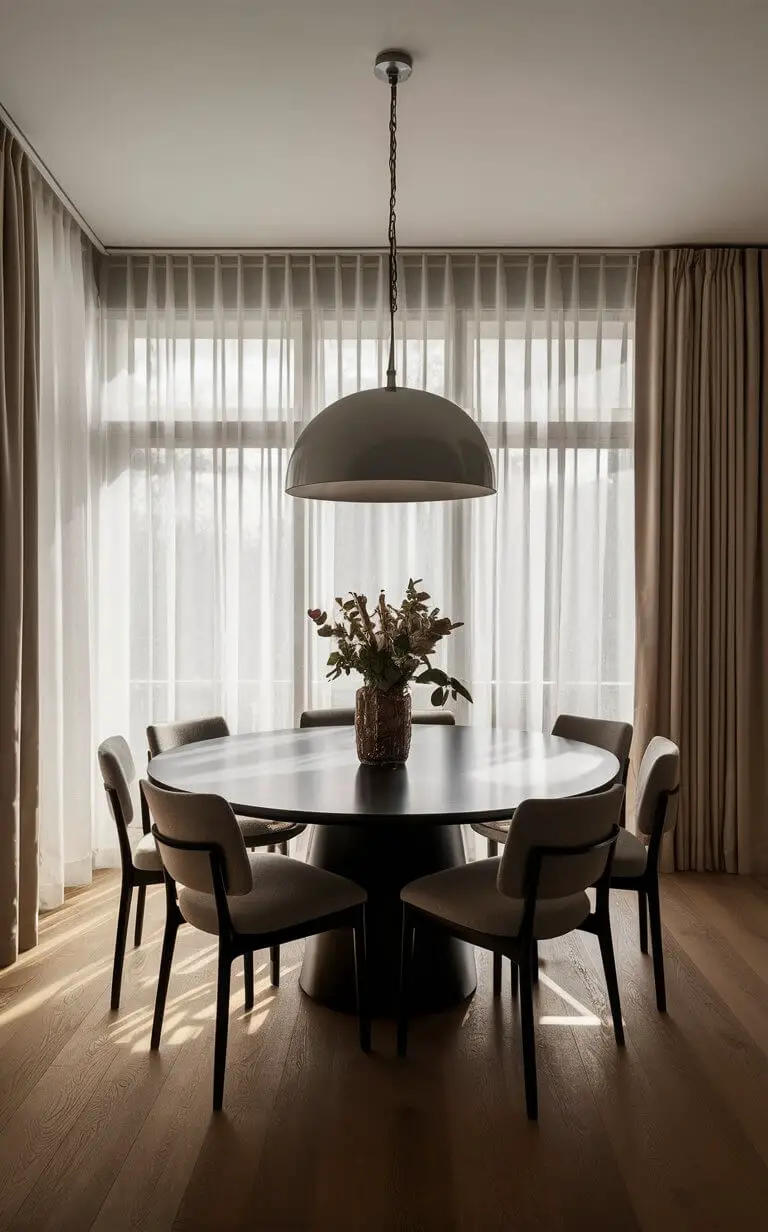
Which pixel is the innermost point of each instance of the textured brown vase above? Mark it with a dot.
(383, 726)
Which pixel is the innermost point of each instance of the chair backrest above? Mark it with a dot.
(118, 774)
(187, 828)
(340, 716)
(658, 780)
(579, 829)
(162, 737)
(608, 734)
(344, 716)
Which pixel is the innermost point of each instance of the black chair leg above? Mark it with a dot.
(611, 979)
(222, 1025)
(528, 1037)
(361, 982)
(497, 960)
(274, 965)
(535, 960)
(406, 963)
(513, 979)
(164, 975)
(126, 891)
(642, 913)
(271, 848)
(492, 848)
(654, 911)
(248, 978)
(283, 849)
(141, 898)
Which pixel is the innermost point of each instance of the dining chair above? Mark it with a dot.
(636, 861)
(140, 863)
(163, 737)
(249, 901)
(609, 734)
(555, 851)
(344, 716)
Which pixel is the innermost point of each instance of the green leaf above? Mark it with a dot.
(433, 675)
(437, 698)
(459, 687)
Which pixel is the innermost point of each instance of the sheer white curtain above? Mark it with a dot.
(72, 831)
(204, 569)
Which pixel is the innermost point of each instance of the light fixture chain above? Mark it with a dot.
(392, 225)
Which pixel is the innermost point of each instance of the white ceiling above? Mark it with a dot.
(258, 123)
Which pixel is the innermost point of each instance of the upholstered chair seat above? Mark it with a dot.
(494, 831)
(631, 856)
(146, 856)
(468, 895)
(285, 894)
(258, 833)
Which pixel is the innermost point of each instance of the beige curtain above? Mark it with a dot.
(18, 555)
(701, 541)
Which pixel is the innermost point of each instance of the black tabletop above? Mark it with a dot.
(453, 775)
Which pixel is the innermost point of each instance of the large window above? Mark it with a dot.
(205, 567)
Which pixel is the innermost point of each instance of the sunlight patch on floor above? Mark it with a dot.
(582, 1018)
(41, 995)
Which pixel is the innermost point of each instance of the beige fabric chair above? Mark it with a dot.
(163, 737)
(556, 850)
(140, 862)
(608, 734)
(636, 862)
(250, 902)
(344, 716)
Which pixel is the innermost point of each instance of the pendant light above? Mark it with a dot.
(391, 444)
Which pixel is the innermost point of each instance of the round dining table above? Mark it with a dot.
(383, 827)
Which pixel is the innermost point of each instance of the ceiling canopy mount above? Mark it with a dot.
(393, 64)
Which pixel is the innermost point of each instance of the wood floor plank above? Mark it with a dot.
(493, 1146)
(721, 964)
(284, 1157)
(670, 1133)
(733, 908)
(674, 1088)
(397, 1136)
(232, 1143)
(37, 1025)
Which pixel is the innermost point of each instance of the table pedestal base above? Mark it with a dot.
(383, 858)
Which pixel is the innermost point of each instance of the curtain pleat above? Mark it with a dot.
(701, 539)
(18, 557)
(72, 832)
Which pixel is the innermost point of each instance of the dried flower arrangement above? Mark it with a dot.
(390, 646)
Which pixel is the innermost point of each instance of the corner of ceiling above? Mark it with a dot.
(38, 161)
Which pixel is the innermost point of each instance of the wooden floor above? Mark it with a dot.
(671, 1133)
